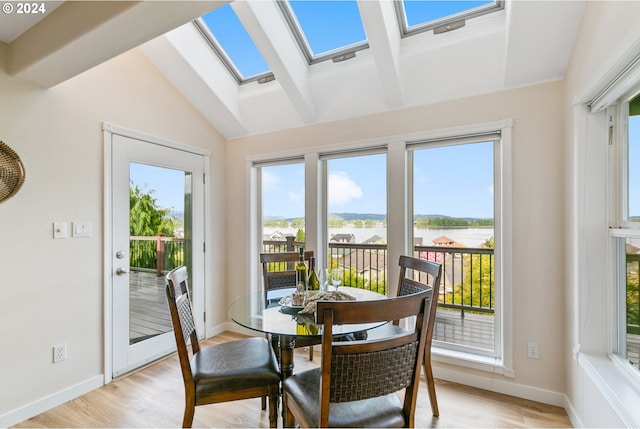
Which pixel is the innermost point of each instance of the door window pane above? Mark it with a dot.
(357, 220)
(453, 214)
(159, 226)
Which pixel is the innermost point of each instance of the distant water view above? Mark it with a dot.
(470, 237)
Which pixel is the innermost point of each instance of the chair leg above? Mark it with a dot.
(264, 403)
(310, 353)
(431, 384)
(273, 410)
(189, 411)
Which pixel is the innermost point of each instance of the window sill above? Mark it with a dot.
(617, 382)
(470, 360)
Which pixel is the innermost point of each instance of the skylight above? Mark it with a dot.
(440, 15)
(326, 29)
(231, 42)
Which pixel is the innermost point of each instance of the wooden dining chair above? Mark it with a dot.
(230, 371)
(415, 275)
(358, 382)
(278, 272)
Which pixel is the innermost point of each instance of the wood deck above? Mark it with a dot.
(148, 310)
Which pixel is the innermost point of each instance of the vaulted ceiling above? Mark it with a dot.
(527, 42)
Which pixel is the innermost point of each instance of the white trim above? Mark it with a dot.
(50, 401)
(504, 263)
(613, 384)
(107, 260)
(501, 386)
(109, 131)
(112, 129)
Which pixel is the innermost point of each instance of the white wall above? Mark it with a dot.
(51, 291)
(538, 212)
(598, 394)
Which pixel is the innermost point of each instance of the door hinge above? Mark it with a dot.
(204, 178)
(205, 316)
(204, 247)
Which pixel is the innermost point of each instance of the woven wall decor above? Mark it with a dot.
(12, 173)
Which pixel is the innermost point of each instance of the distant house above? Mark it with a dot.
(275, 236)
(343, 238)
(369, 264)
(445, 241)
(376, 239)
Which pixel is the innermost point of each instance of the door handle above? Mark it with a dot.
(121, 271)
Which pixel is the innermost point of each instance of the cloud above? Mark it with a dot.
(296, 197)
(342, 189)
(270, 182)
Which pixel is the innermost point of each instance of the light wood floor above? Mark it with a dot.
(154, 397)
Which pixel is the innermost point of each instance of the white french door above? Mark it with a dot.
(171, 180)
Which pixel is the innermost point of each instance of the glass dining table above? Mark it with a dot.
(285, 323)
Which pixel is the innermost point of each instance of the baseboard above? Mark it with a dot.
(501, 386)
(574, 418)
(48, 402)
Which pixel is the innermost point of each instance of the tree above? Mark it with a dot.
(300, 235)
(145, 217)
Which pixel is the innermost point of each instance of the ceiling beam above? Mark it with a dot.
(266, 26)
(79, 35)
(188, 62)
(381, 27)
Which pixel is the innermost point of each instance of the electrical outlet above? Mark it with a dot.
(59, 353)
(532, 350)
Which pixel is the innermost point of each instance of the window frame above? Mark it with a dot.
(620, 228)
(495, 138)
(398, 226)
(226, 60)
(337, 55)
(442, 25)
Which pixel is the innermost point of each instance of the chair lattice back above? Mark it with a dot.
(358, 370)
(353, 378)
(184, 327)
(278, 271)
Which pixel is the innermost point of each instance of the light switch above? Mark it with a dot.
(81, 229)
(59, 229)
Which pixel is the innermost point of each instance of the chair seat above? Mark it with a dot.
(236, 365)
(303, 395)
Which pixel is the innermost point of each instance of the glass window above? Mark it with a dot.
(232, 43)
(282, 206)
(633, 172)
(357, 219)
(325, 29)
(626, 238)
(418, 16)
(454, 225)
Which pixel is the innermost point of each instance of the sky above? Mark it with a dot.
(168, 185)
(453, 181)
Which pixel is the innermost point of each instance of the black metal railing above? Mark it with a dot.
(468, 281)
